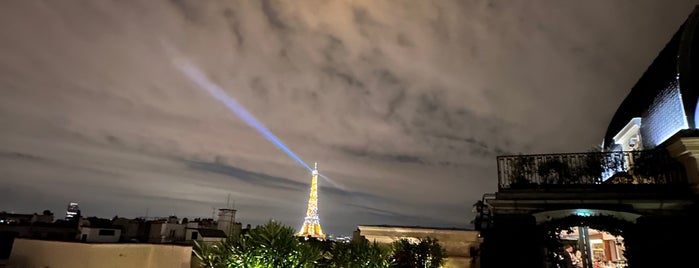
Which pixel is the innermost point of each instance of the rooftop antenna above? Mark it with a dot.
(228, 201)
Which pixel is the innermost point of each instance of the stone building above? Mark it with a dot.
(643, 185)
(459, 244)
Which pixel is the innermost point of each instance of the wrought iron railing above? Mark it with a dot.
(592, 168)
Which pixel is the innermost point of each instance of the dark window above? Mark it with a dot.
(106, 233)
(195, 235)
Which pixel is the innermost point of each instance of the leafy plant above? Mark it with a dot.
(360, 254)
(522, 169)
(427, 253)
(267, 246)
(656, 166)
(555, 171)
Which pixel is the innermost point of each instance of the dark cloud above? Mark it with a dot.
(377, 216)
(234, 24)
(365, 23)
(22, 156)
(269, 9)
(364, 153)
(256, 178)
(346, 78)
(388, 216)
(189, 9)
(280, 183)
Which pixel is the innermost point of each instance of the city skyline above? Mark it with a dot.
(406, 105)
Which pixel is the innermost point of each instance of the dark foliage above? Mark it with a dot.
(427, 253)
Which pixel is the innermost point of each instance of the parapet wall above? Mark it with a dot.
(39, 253)
(458, 244)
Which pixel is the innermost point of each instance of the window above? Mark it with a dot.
(195, 235)
(106, 233)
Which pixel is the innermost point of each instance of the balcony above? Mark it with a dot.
(591, 169)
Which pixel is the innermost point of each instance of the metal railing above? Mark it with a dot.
(591, 168)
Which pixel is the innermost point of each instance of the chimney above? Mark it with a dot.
(226, 220)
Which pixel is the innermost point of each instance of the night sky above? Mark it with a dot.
(404, 104)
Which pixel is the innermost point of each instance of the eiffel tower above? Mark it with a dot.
(311, 224)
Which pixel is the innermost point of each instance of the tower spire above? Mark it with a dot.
(311, 223)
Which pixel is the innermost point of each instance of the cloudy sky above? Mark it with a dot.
(404, 104)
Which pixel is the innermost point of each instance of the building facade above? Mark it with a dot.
(459, 244)
(99, 234)
(642, 185)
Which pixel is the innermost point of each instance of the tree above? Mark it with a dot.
(522, 170)
(267, 246)
(427, 253)
(360, 254)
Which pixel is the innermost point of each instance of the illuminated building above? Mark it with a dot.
(73, 212)
(663, 102)
(642, 188)
(311, 224)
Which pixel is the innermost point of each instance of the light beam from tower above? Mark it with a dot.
(311, 224)
(200, 79)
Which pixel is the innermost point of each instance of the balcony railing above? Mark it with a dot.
(592, 168)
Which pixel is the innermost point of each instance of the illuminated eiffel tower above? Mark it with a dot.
(311, 224)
